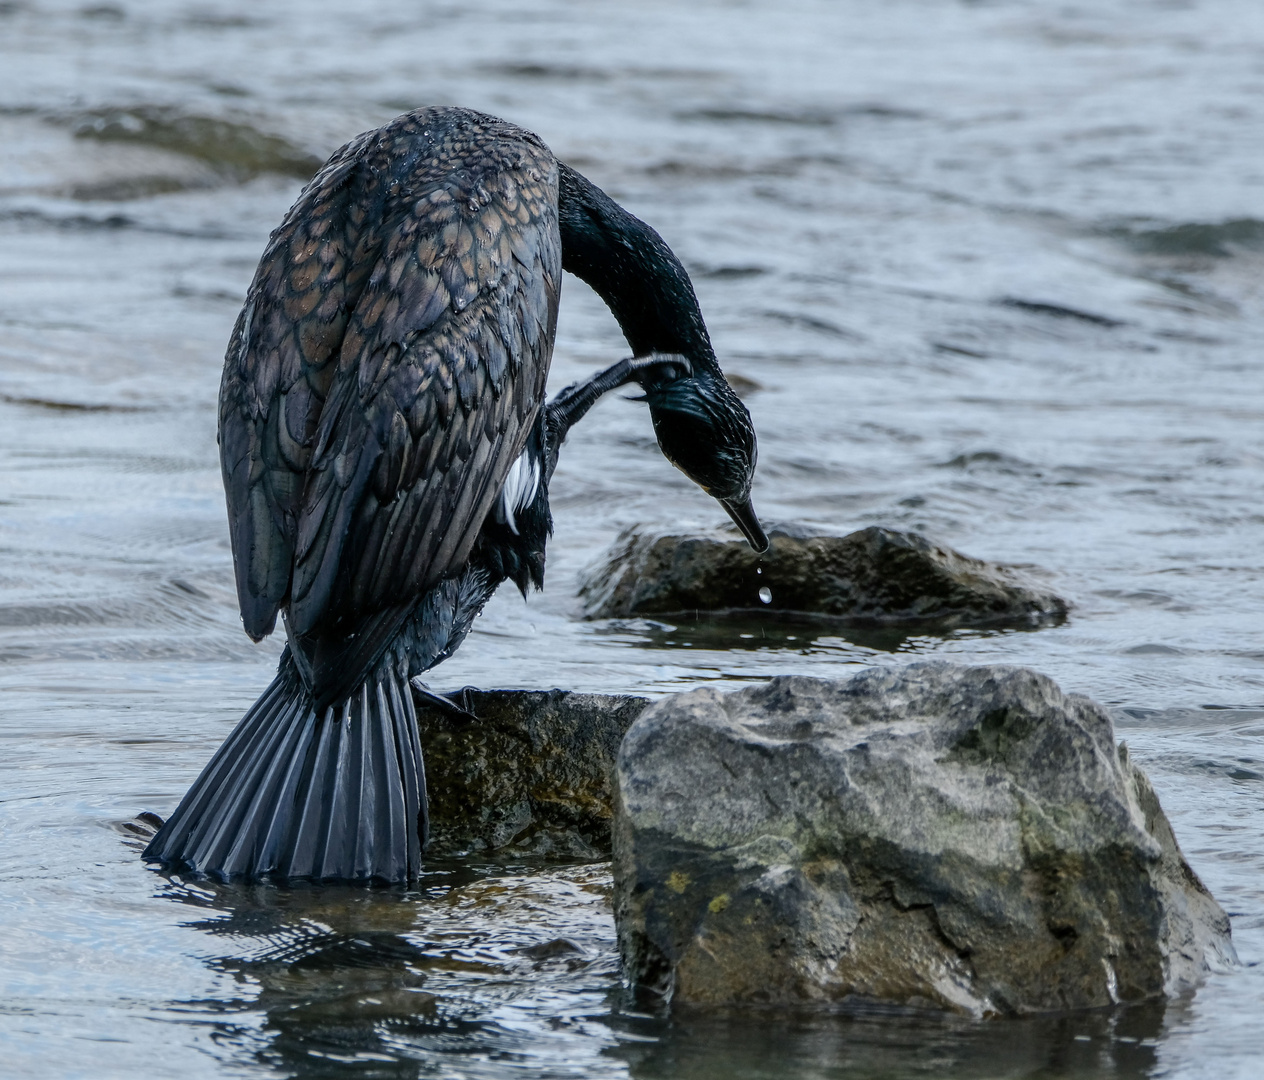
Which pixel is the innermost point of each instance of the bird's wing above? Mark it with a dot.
(281, 360)
(439, 379)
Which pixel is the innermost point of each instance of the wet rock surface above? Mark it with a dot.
(532, 774)
(875, 577)
(965, 838)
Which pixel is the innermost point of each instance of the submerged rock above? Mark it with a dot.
(875, 577)
(532, 774)
(967, 838)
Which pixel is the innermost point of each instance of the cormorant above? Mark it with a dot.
(386, 453)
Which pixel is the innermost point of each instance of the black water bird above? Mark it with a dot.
(387, 451)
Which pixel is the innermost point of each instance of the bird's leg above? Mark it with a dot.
(462, 709)
(570, 405)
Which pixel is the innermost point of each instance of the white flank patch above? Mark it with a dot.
(520, 487)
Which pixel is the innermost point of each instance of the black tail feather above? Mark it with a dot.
(291, 795)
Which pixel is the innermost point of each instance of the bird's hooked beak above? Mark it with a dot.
(743, 515)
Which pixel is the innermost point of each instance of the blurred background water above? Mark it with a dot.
(993, 271)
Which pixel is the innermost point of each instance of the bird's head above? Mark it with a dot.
(705, 431)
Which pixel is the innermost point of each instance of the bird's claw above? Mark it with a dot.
(457, 705)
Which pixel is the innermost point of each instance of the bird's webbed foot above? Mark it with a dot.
(570, 405)
(458, 705)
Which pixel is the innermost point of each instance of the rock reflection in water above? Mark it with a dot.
(797, 631)
(867, 1043)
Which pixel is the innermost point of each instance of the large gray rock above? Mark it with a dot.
(875, 577)
(968, 838)
(532, 774)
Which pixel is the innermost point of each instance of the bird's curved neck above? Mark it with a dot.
(630, 267)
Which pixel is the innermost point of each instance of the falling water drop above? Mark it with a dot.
(765, 594)
(759, 569)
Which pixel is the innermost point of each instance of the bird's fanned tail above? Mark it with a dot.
(291, 795)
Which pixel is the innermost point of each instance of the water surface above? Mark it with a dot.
(993, 270)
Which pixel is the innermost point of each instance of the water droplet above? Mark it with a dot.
(759, 569)
(765, 594)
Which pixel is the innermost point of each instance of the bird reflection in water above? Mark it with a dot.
(356, 981)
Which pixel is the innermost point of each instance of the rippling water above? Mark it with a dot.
(993, 270)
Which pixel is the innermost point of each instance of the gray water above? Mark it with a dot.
(995, 268)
